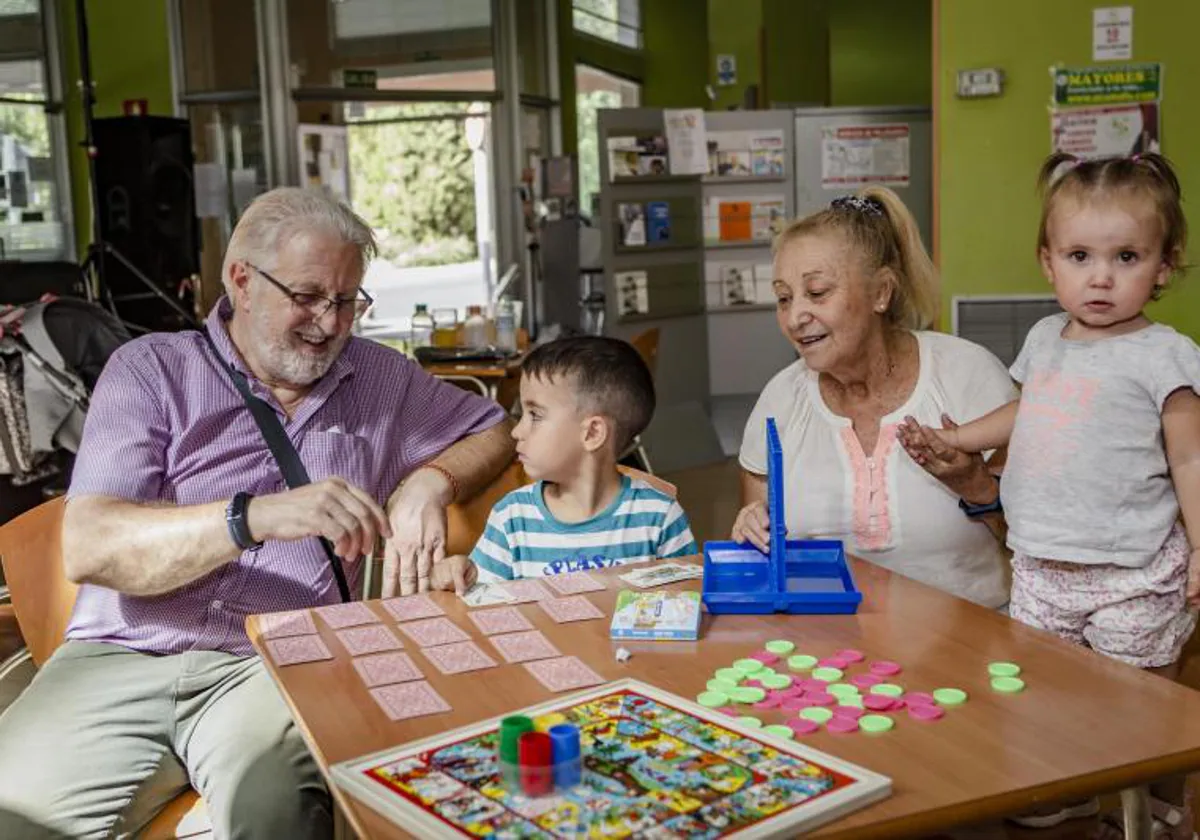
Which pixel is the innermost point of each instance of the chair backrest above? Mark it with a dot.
(42, 597)
(646, 343)
(653, 480)
(465, 521)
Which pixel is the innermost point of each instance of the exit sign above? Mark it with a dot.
(353, 77)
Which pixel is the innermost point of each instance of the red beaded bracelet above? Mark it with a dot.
(449, 477)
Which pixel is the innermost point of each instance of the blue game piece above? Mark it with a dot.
(568, 768)
(796, 576)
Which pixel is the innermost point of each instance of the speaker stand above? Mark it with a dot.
(93, 263)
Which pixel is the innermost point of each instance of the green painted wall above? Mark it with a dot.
(880, 51)
(797, 44)
(130, 60)
(675, 48)
(733, 28)
(991, 148)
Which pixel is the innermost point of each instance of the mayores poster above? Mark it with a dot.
(1108, 130)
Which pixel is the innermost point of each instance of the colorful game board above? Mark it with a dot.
(655, 766)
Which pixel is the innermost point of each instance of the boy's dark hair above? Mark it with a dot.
(607, 375)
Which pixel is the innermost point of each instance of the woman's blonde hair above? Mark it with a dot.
(884, 234)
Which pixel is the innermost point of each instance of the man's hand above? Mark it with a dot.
(417, 513)
(456, 572)
(331, 508)
(752, 525)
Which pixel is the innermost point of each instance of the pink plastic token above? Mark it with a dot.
(795, 704)
(812, 684)
(820, 698)
(803, 726)
(842, 725)
(851, 655)
(729, 710)
(792, 691)
(766, 703)
(831, 662)
(865, 680)
(883, 668)
(919, 698)
(852, 712)
(925, 713)
(879, 702)
(753, 684)
(765, 657)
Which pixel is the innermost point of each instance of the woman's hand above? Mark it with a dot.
(753, 525)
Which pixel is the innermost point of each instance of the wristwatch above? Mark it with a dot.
(235, 520)
(976, 511)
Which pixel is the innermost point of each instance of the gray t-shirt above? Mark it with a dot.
(1087, 478)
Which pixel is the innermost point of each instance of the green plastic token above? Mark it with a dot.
(816, 714)
(827, 674)
(1004, 669)
(712, 699)
(841, 690)
(779, 731)
(875, 723)
(950, 696)
(851, 700)
(780, 647)
(747, 694)
(802, 662)
(764, 671)
(732, 675)
(752, 722)
(748, 666)
(776, 681)
(718, 684)
(887, 689)
(1008, 685)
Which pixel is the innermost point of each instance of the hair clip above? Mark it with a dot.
(1135, 157)
(858, 204)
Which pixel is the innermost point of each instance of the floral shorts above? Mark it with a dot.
(1138, 616)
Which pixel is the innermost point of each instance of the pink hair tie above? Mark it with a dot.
(1135, 157)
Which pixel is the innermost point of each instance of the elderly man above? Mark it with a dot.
(179, 524)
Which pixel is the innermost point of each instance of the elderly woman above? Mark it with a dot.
(856, 292)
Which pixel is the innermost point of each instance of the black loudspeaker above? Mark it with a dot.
(147, 214)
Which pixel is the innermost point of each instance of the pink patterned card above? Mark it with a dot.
(570, 608)
(434, 631)
(502, 620)
(387, 668)
(353, 614)
(563, 674)
(523, 647)
(409, 700)
(293, 650)
(574, 583)
(458, 658)
(527, 590)
(412, 607)
(371, 639)
(280, 624)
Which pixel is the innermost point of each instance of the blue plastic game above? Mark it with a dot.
(797, 576)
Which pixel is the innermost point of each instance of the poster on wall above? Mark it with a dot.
(1106, 131)
(857, 155)
(633, 296)
(1112, 33)
(727, 70)
(1110, 85)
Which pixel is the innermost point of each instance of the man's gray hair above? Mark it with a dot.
(277, 215)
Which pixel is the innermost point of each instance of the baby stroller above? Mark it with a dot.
(51, 354)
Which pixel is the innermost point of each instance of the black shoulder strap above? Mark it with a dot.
(285, 454)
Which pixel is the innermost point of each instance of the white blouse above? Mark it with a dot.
(882, 504)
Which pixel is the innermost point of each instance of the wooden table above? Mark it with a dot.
(488, 377)
(1084, 725)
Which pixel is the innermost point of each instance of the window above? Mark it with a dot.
(32, 170)
(595, 89)
(619, 21)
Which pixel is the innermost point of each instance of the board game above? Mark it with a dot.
(655, 765)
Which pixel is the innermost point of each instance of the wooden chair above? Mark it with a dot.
(42, 597)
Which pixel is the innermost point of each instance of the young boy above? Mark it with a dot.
(583, 400)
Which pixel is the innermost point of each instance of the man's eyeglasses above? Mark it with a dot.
(318, 305)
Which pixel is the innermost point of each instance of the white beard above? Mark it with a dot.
(283, 363)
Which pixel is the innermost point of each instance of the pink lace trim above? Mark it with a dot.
(871, 522)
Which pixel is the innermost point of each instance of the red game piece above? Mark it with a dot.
(765, 657)
(842, 725)
(919, 698)
(852, 712)
(882, 668)
(729, 710)
(865, 680)
(535, 753)
(767, 703)
(820, 698)
(925, 713)
(794, 704)
(879, 702)
(803, 726)
(851, 655)
(832, 662)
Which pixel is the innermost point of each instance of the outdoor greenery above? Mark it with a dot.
(587, 106)
(413, 181)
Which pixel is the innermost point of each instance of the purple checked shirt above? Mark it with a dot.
(166, 424)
